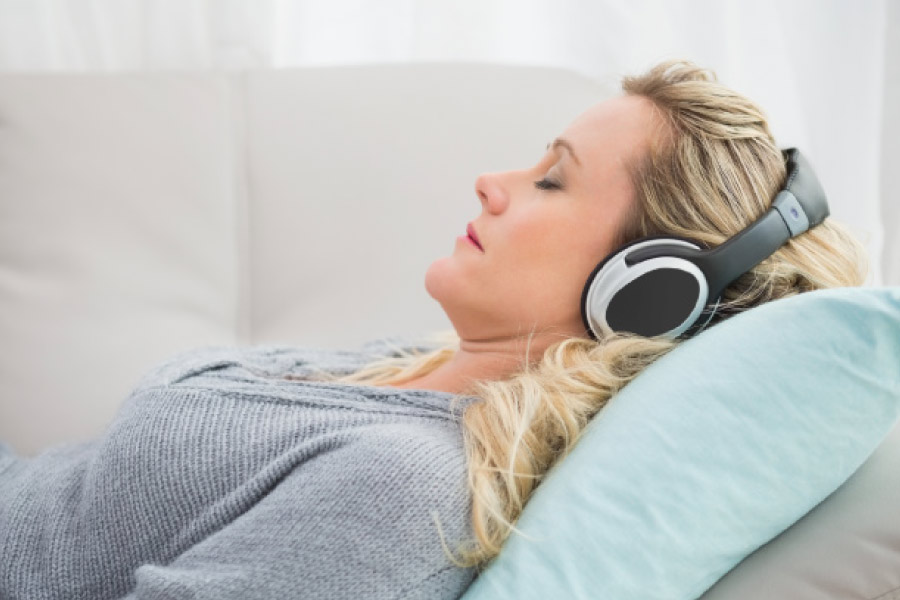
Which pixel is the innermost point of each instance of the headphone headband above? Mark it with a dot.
(803, 184)
(643, 287)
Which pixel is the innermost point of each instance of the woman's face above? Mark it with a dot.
(543, 229)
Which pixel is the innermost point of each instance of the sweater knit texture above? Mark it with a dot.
(223, 476)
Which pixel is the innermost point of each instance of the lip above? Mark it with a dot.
(471, 232)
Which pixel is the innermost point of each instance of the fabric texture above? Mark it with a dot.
(221, 478)
(712, 451)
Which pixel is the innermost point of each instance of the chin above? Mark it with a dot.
(469, 302)
(445, 283)
(436, 279)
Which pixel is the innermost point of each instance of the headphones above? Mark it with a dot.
(664, 285)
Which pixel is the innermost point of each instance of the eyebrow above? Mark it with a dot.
(563, 143)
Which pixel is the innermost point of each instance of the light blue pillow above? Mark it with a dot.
(711, 452)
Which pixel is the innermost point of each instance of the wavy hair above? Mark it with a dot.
(714, 169)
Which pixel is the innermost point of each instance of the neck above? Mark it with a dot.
(483, 360)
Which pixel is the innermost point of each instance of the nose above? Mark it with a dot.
(493, 194)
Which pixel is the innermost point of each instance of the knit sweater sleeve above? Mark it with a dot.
(356, 522)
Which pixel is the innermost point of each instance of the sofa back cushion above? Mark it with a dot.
(117, 240)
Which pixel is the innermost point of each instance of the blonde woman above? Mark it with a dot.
(397, 473)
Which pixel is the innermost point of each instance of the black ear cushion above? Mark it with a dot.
(619, 251)
(654, 303)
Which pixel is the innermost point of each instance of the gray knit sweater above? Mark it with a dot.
(220, 478)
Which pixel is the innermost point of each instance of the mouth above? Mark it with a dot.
(470, 231)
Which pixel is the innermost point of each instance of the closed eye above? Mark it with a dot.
(547, 184)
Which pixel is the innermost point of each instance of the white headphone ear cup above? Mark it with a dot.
(660, 296)
(598, 287)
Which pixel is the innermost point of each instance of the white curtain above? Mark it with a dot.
(826, 71)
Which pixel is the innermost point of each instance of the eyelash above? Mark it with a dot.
(547, 184)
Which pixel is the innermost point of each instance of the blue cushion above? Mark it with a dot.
(711, 452)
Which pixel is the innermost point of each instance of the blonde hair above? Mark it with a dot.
(715, 169)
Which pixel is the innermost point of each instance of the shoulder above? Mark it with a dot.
(421, 471)
(419, 459)
(415, 469)
(391, 501)
(424, 447)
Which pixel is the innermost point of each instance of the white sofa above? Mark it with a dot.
(141, 215)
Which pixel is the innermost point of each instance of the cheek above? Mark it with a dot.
(550, 264)
(560, 250)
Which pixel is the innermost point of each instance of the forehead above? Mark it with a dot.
(608, 134)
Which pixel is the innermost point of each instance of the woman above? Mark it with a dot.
(261, 473)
